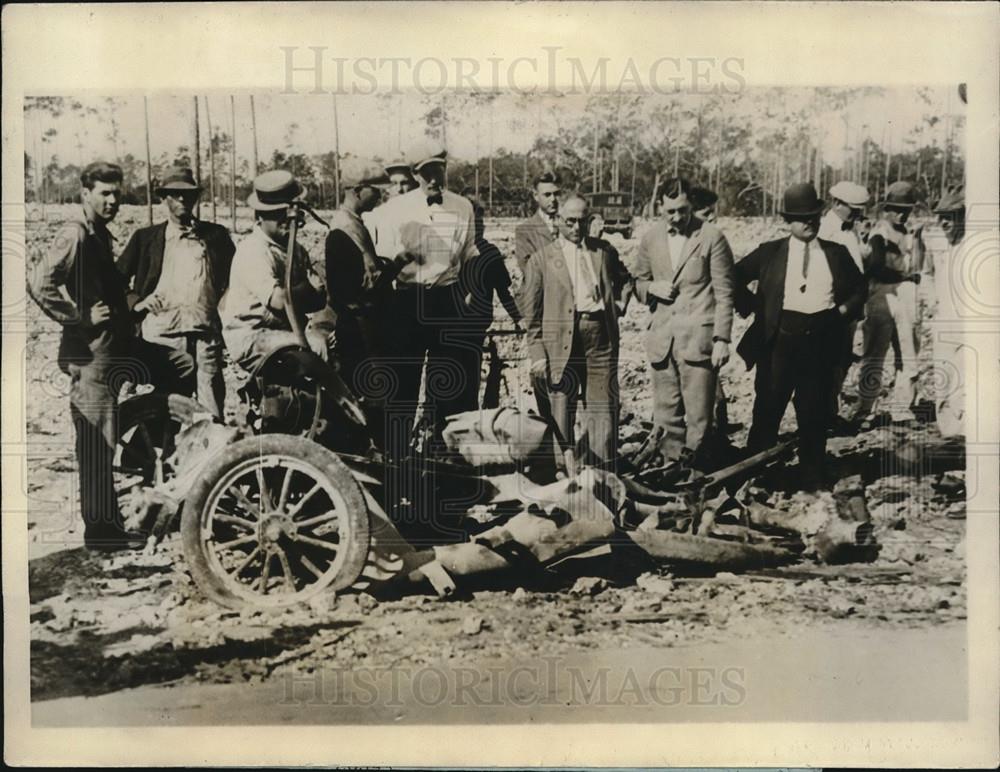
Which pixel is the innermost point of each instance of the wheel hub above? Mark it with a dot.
(274, 527)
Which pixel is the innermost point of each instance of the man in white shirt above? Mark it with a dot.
(839, 225)
(433, 230)
(571, 322)
(807, 291)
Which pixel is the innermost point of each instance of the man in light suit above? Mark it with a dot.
(808, 291)
(684, 273)
(541, 229)
(572, 329)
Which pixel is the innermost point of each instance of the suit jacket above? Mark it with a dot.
(767, 265)
(142, 260)
(530, 236)
(548, 303)
(703, 276)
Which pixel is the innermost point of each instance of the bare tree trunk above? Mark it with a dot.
(149, 164)
(336, 153)
(211, 161)
(632, 185)
(596, 176)
(232, 160)
(491, 158)
(677, 161)
(197, 154)
(253, 128)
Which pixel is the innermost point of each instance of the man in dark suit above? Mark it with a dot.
(808, 290)
(177, 271)
(684, 273)
(571, 322)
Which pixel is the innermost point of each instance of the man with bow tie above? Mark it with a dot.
(808, 290)
(684, 273)
(839, 225)
(572, 330)
(177, 272)
(432, 231)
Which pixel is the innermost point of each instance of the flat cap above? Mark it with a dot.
(851, 193)
(427, 153)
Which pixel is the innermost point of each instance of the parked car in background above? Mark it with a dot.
(616, 209)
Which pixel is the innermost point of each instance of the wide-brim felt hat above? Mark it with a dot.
(274, 190)
(801, 200)
(178, 178)
(901, 195)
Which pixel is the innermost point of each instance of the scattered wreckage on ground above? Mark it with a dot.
(297, 499)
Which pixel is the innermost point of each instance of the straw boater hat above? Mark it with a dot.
(179, 179)
(801, 200)
(399, 164)
(274, 190)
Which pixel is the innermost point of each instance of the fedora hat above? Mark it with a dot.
(177, 178)
(274, 190)
(801, 200)
(851, 193)
(901, 195)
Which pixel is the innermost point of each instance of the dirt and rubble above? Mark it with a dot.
(100, 624)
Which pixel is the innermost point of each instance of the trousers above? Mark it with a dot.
(890, 315)
(799, 365)
(590, 379)
(94, 386)
(205, 349)
(684, 400)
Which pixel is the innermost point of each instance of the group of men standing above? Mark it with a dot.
(403, 298)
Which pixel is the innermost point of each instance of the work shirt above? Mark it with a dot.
(807, 291)
(586, 293)
(442, 235)
(832, 228)
(258, 269)
(185, 286)
(80, 261)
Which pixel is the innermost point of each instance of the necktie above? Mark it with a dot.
(583, 259)
(436, 198)
(805, 266)
(847, 226)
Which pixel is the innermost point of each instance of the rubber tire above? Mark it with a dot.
(708, 551)
(146, 407)
(287, 445)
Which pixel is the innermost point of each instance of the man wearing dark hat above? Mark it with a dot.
(891, 308)
(947, 325)
(808, 289)
(433, 231)
(76, 284)
(255, 308)
(684, 273)
(177, 271)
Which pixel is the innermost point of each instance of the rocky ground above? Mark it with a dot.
(103, 624)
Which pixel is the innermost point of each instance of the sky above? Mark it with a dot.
(382, 125)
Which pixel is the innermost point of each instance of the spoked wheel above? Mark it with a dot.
(274, 520)
(147, 426)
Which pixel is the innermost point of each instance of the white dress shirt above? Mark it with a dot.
(442, 235)
(813, 292)
(831, 228)
(676, 242)
(586, 293)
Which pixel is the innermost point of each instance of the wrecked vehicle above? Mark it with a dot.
(296, 498)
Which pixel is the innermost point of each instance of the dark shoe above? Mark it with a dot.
(115, 541)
